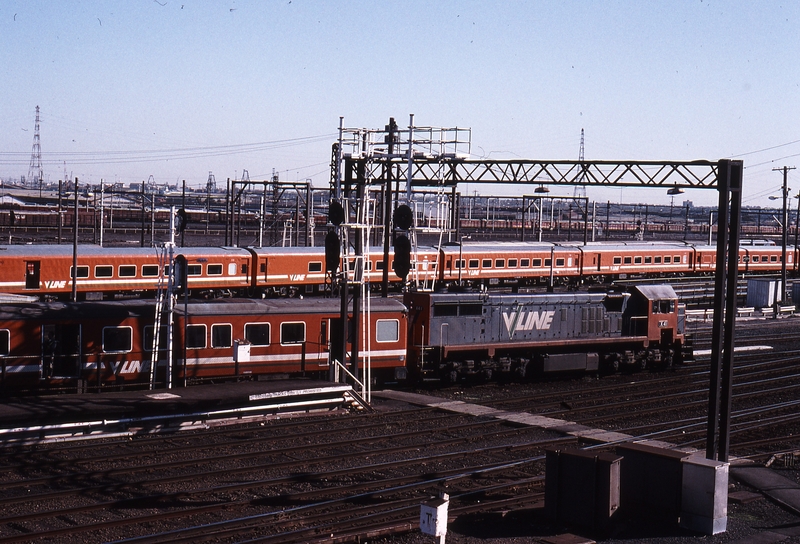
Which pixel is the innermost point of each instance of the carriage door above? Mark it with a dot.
(61, 350)
(32, 274)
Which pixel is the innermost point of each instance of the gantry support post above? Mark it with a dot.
(729, 185)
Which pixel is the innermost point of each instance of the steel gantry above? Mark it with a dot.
(367, 166)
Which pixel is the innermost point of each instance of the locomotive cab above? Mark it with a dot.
(653, 312)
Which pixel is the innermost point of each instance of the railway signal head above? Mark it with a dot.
(402, 256)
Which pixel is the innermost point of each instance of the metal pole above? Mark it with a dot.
(75, 247)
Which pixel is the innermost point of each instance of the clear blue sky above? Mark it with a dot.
(178, 88)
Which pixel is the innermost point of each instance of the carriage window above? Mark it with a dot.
(536, 262)
(746, 258)
(387, 330)
(315, 266)
(196, 336)
(83, 271)
(293, 333)
(103, 271)
(560, 261)
(486, 263)
(676, 259)
(617, 260)
(149, 270)
(117, 339)
(473, 263)
(524, 263)
(5, 342)
(773, 259)
(755, 258)
(548, 262)
(194, 270)
(127, 271)
(244, 268)
(148, 338)
(648, 259)
(667, 260)
(460, 263)
(627, 260)
(221, 335)
(499, 263)
(512, 263)
(637, 260)
(257, 333)
(657, 259)
(214, 270)
(379, 265)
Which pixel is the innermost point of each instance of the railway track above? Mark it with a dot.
(357, 476)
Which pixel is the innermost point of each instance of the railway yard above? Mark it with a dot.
(360, 476)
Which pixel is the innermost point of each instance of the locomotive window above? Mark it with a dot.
(315, 266)
(473, 263)
(445, 310)
(387, 330)
(471, 309)
(499, 263)
(657, 259)
(667, 259)
(149, 270)
(117, 339)
(257, 333)
(512, 263)
(663, 306)
(560, 261)
(194, 270)
(293, 333)
(128, 271)
(627, 260)
(617, 260)
(524, 263)
(648, 259)
(83, 271)
(196, 336)
(5, 342)
(214, 269)
(148, 338)
(548, 262)
(103, 271)
(221, 335)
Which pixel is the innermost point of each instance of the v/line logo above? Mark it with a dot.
(521, 320)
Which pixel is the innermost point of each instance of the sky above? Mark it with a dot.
(178, 89)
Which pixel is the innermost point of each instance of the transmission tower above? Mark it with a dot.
(35, 173)
(580, 190)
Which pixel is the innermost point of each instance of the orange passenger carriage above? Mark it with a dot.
(113, 343)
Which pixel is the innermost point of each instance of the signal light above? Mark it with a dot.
(332, 251)
(403, 217)
(402, 256)
(335, 213)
